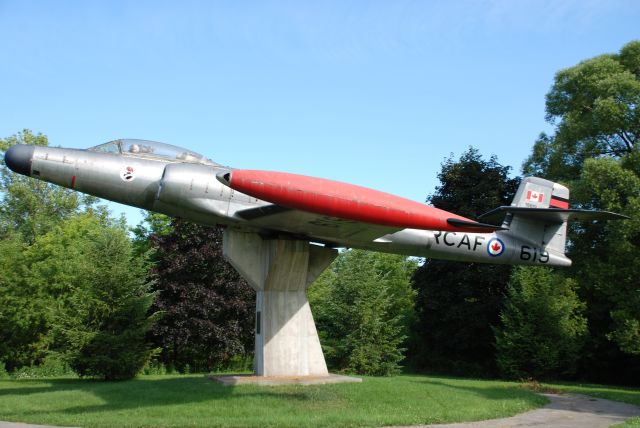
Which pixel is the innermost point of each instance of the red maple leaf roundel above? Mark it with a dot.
(495, 247)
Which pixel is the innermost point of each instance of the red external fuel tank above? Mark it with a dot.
(348, 201)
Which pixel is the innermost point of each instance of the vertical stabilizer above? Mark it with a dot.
(537, 192)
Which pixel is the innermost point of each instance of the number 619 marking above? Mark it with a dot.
(533, 254)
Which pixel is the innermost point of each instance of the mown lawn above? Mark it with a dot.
(192, 400)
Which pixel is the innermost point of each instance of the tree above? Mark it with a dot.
(28, 209)
(98, 294)
(208, 308)
(457, 303)
(594, 151)
(606, 266)
(362, 307)
(152, 226)
(542, 329)
(24, 338)
(471, 186)
(69, 284)
(594, 106)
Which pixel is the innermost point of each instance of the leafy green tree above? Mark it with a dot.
(362, 307)
(99, 295)
(68, 281)
(594, 106)
(151, 227)
(208, 308)
(471, 185)
(457, 303)
(543, 329)
(606, 266)
(594, 151)
(28, 209)
(23, 322)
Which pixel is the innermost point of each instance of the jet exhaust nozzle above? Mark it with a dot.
(18, 158)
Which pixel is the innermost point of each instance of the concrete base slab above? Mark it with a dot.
(229, 380)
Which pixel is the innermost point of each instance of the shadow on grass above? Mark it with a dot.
(506, 392)
(141, 392)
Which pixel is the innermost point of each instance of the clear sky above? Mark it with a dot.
(377, 93)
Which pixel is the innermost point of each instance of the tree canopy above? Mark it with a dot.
(594, 106)
(457, 303)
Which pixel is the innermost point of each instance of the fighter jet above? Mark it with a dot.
(181, 183)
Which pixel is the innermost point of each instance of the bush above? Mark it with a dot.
(543, 328)
(100, 296)
(52, 366)
(362, 306)
(118, 350)
(156, 368)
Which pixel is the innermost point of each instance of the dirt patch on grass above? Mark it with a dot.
(535, 386)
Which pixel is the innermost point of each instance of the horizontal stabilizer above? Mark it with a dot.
(474, 226)
(551, 215)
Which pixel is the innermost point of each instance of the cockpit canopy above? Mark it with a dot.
(151, 149)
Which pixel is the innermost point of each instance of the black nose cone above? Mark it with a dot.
(18, 158)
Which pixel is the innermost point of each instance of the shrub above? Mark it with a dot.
(362, 307)
(543, 328)
(52, 366)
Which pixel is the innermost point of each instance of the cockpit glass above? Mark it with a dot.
(110, 147)
(151, 149)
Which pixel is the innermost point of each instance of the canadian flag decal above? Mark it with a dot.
(534, 196)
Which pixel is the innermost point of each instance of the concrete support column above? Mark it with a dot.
(281, 270)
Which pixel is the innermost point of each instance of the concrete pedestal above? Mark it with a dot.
(280, 270)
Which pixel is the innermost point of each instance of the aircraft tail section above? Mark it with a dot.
(539, 215)
(547, 231)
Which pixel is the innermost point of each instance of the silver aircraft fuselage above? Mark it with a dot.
(190, 189)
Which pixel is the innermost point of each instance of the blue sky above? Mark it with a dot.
(377, 93)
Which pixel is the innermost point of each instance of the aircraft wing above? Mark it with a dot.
(551, 215)
(320, 227)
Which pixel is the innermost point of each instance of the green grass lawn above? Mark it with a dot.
(192, 400)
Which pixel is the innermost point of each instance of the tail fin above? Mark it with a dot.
(539, 214)
(537, 193)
